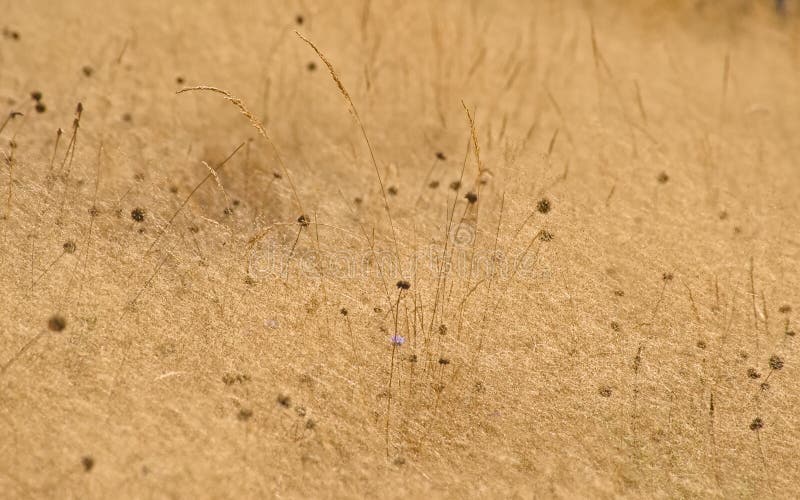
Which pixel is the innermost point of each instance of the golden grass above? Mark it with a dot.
(606, 309)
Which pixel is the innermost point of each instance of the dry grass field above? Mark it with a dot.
(420, 249)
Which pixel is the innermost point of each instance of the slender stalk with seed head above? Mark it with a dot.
(354, 112)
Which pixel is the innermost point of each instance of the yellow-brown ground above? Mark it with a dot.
(631, 336)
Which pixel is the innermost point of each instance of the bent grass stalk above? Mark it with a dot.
(354, 112)
(255, 122)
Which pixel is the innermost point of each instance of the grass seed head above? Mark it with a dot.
(137, 214)
(56, 323)
(543, 206)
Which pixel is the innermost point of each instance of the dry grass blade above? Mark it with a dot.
(258, 126)
(352, 108)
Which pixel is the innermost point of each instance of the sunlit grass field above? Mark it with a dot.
(457, 249)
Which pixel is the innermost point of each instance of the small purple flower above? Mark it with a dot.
(398, 340)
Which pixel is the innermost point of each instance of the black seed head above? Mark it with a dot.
(545, 235)
(137, 214)
(40, 107)
(444, 361)
(343, 311)
(775, 362)
(299, 20)
(88, 463)
(179, 80)
(471, 197)
(284, 400)
(433, 184)
(701, 344)
(311, 66)
(69, 246)
(753, 373)
(87, 71)
(662, 178)
(440, 156)
(56, 323)
(667, 276)
(392, 190)
(403, 285)
(36, 95)
(756, 424)
(455, 185)
(303, 220)
(543, 206)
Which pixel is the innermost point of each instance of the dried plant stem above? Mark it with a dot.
(255, 122)
(186, 200)
(354, 112)
(59, 133)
